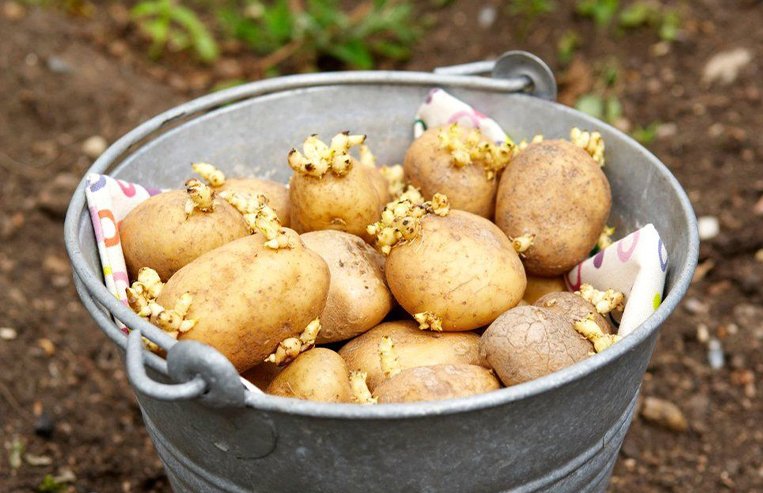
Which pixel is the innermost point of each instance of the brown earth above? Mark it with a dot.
(63, 392)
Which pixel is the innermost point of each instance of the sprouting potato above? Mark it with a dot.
(450, 269)
(319, 374)
(330, 189)
(358, 297)
(276, 194)
(413, 347)
(572, 308)
(460, 163)
(555, 194)
(171, 229)
(434, 383)
(540, 286)
(248, 297)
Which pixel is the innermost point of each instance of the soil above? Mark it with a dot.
(63, 391)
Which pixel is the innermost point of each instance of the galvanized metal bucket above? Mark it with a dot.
(558, 433)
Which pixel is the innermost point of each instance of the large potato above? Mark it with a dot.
(461, 268)
(276, 194)
(159, 233)
(318, 374)
(246, 297)
(330, 189)
(358, 297)
(528, 342)
(381, 185)
(573, 308)
(557, 192)
(413, 347)
(431, 167)
(434, 383)
(540, 286)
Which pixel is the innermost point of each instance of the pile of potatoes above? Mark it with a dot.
(437, 279)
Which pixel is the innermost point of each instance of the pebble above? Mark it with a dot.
(38, 460)
(759, 256)
(703, 333)
(695, 306)
(664, 413)
(55, 195)
(487, 16)
(724, 67)
(47, 345)
(715, 354)
(58, 65)
(8, 334)
(666, 131)
(757, 209)
(55, 264)
(709, 227)
(94, 146)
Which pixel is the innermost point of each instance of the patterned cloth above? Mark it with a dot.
(636, 265)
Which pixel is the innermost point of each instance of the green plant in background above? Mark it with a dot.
(169, 24)
(646, 135)
(667, 21)
(49, 484)
(319, 29)
(528, 11)
(601, 11)
(603, 102)
(567, 46)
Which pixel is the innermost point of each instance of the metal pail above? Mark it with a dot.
(558, 433)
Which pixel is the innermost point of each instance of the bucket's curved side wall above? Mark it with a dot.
(558, 441)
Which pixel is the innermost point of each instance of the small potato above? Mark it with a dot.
(461, 268)
(557, 192)
(262, 374)
(318, 374)
(435, 383)
(246, 297)
(528, 342)
(276, 193)
(430, 166)
(358, 297)
(160, 234)
(414, 348)
(572, 308)
(330, 189)
(539, 286)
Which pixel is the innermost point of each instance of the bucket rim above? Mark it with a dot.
(97, 291)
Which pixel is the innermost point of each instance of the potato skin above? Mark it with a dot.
(318, 374)
(555, 190)
(572, 308)
(358, 297)
(431, 169)
(157, 233)
(343, 203)
(247, 298)
(540, 286)
(528, 342)
(380, 184)
(262, 375)
(276, 193)
(461, 267)
(435, 383)
(413, 347)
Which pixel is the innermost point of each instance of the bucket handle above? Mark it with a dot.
(516, 64)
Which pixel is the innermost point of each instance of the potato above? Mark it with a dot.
(528, 342)
(159, 234)
(358, 297)
(557, 192)
(318, 374)
(572, 308)
(330, 189)
(247, 297)
(276, 193)
(262, 374)
(434, 383)
(381, 185)
(431, 166)
(414, 348)
(539, 286)
(461, 269)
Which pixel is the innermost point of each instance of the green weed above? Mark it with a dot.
(169, 24)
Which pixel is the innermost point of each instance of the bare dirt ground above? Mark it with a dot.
(63, 393)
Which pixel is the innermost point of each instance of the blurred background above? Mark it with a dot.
(682, 77)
